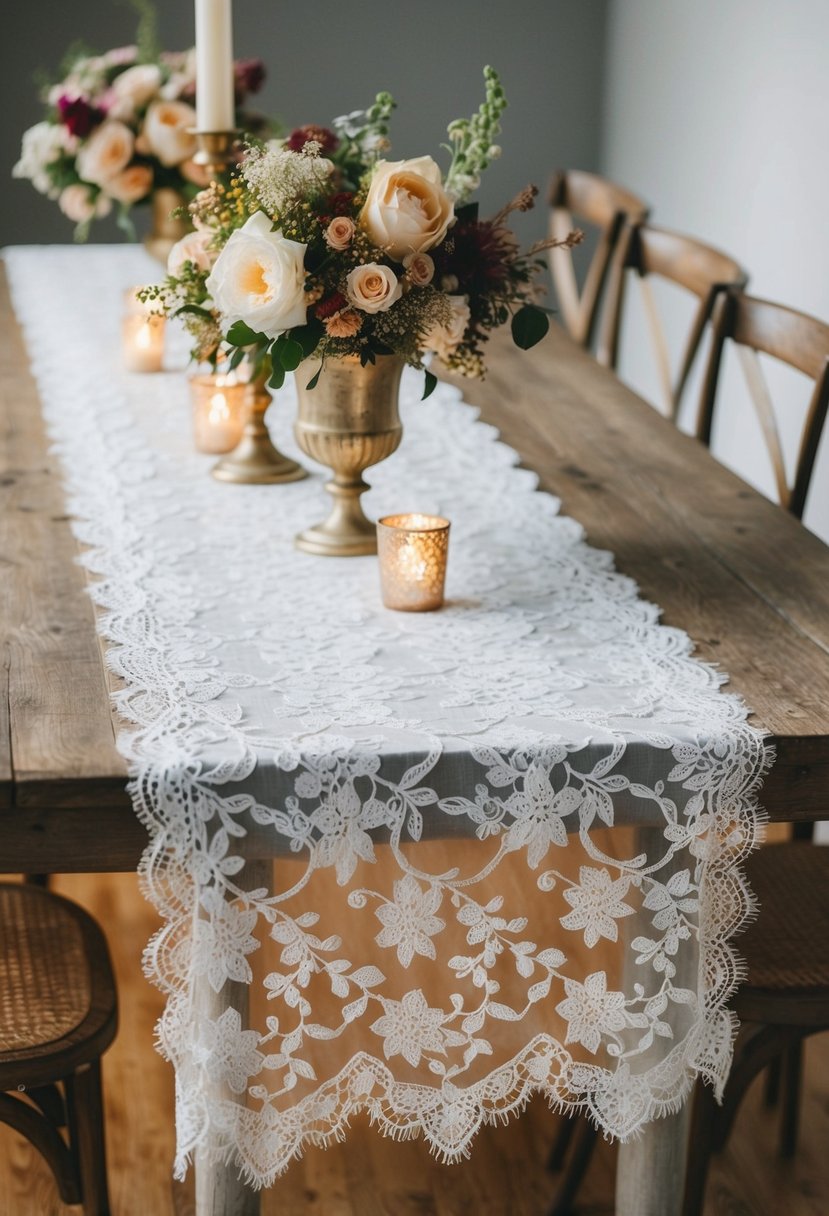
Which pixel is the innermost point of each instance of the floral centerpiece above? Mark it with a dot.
(118, 129)
(320, 246)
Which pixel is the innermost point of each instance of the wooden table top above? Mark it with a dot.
(744, 579)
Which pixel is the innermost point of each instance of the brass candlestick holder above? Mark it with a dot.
(255, 460)
(216, 151)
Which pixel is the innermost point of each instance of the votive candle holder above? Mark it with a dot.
(412, 551)
(142, 335)
(219, 410)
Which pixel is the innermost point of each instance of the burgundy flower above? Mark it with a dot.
(334, 304)
(478, 254)
(340, 204)
(249, 76)
(327, 140)
(78, 115)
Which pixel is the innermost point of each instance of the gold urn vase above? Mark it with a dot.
(165, 228)
(348, 422)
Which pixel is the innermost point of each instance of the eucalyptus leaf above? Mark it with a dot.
(277, 377)
(241, 334)
(314, 381)
(529, 325)
(290, 355)
(430, 384)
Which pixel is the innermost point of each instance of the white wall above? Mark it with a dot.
(716, 112)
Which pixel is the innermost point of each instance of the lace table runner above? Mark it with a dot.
(468, 812)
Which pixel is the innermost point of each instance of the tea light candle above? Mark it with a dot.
(412, 550)
(218, 411)
(142, 335)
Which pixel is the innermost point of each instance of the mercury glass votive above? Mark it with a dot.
(142, 335)
(412, 551)
(219, 405)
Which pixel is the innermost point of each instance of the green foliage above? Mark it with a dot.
(430, 383)
(241, 334)
(529, 325)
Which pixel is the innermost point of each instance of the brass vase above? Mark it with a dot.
(165, 228)
(348, 422)
(256, 460)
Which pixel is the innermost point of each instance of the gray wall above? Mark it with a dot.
(716, 112)
(429, 54)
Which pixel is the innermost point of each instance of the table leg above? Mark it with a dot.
(650, 1175)
(219, 1190)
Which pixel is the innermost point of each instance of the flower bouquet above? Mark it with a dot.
(318, 246)
(119, 128)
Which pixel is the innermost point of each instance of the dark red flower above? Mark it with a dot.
(340, 204)
(478, 254)
(327, 140)
(78, 116)
(327, 308)
(249, 76)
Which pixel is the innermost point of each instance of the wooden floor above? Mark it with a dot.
(367, 1175)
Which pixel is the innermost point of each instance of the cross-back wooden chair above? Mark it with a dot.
(590, 199)
(646, 252)
(759, 326)
(785, 996)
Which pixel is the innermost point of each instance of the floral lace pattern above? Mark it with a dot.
(437, 792)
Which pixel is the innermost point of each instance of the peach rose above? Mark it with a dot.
(373, 288)
(77, 204)
(137, 85)
(195, 248)
(167, 127)
(420, 269)
(444, 340)
(131, 184)
(107, 151)
(339, 233)
(406, 208)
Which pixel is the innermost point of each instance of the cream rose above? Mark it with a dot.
(373, 288)
(259, 278)
(406, 208)
(340, 233)
(78, 205)
(130, 184)
(195, 248)
(107, 151)
(167, 127)
(138, 84)
(444, 340)
(420, 269)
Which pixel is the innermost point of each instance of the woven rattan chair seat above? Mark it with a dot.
(787, 947)
(45, 980)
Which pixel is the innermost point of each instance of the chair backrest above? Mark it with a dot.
(796, 339)
(703, 271)
(605, 206)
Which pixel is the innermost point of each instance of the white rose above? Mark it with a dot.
(259, 278)
(167, 130)
(78, 205)
(373, 288)
(444, 340)
(107, 151)
(130, 184)
(406, 208)
(195, 248)
(42, 144)
(138, 84)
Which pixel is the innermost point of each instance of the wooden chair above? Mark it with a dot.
(58, 1014)
(703, 271)
(794, 338)
(604, 205)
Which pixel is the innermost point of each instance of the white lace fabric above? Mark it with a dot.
(469, 811)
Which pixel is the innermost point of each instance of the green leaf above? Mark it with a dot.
(467, 214)
(529, 325)
(236, 358)
(195, 309)
(314, 381)
(308, 335)
(291, 355)
(241, 334)
(430, 384)
(277, 377)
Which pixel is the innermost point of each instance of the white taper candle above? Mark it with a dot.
(215, 110)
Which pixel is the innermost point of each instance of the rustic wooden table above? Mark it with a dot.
(745, 580)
